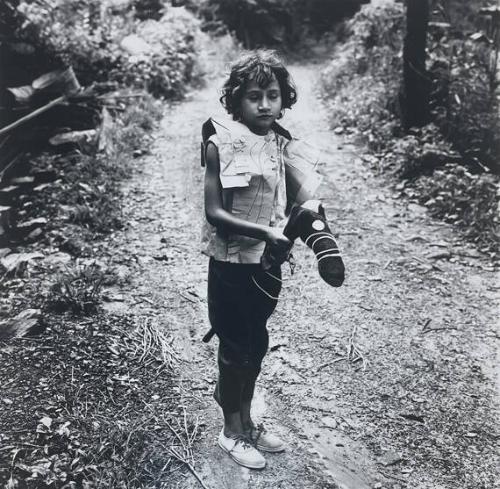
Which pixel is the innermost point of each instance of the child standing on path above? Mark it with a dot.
(245, 201)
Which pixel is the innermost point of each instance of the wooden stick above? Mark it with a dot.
(33, 114)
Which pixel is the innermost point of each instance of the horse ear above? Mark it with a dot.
(281, 131)
(207, 130)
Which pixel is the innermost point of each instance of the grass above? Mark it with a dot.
(108, 415)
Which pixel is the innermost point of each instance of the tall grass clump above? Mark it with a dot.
(78, 290)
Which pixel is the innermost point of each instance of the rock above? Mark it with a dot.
(15, 262)
(25, 323)
(391, 458)
(439, 255)
(24, 229)
(4, 252)
(329, 422)
(57, 259)
(34, 235)
(135, 45)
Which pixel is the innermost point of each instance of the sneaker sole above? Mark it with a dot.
(270, 450)
(248, 466)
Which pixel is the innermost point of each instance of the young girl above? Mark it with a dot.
(245, 201)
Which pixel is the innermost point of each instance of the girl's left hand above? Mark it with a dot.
(275, 255)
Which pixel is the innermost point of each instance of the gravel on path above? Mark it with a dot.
(416, 409)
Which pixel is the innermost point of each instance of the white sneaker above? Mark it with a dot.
(265, 441)
(241, 451)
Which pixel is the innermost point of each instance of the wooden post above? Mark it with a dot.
(415, 96)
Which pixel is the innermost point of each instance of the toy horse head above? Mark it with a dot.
(308, 222)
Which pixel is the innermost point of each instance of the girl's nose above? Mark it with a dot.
(264, 104)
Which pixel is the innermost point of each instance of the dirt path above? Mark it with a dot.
(418, 413)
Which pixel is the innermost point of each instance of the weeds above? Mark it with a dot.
(103, 418)
(86, 35)
(361, 88)
(470, 201)
(77, 290)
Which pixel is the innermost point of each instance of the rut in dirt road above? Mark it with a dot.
(415, 408)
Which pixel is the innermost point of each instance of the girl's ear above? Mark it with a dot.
(281, 114)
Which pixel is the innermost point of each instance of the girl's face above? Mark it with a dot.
(260, 107)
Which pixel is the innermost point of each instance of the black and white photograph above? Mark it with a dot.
(249, 244)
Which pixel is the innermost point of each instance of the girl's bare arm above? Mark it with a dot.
(220, 218)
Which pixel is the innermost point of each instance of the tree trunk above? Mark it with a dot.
(415, 96)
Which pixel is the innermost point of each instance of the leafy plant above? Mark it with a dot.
(470, 201)
(369, 63)
(172, 62)
(361, 89)
(86, 35)
(283, 23)
(464, 105)
(77, 290)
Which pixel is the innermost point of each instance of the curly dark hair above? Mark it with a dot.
(260, 65)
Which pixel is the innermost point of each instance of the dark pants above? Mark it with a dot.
(238, 311)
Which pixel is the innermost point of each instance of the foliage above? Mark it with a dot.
(89, 185)
(361, 89)
(75, 32)
(467, 200)
(419, 152)
(171, 62)
(463, 98)
(109, 415)
(86, 35)
(369, 63)
(77, 290)
(273, 22)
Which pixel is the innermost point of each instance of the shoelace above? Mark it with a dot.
(260, 431)
(244, 440)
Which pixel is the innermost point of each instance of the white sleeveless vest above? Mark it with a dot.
(252, 176)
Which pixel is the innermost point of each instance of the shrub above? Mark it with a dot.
(76, 33)
(420, 152)
(463, 104)
(467, 200)
(361, 87)
(77, 290)
(86, 35)
(172, 61)
(361, 83)
(273, 22)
